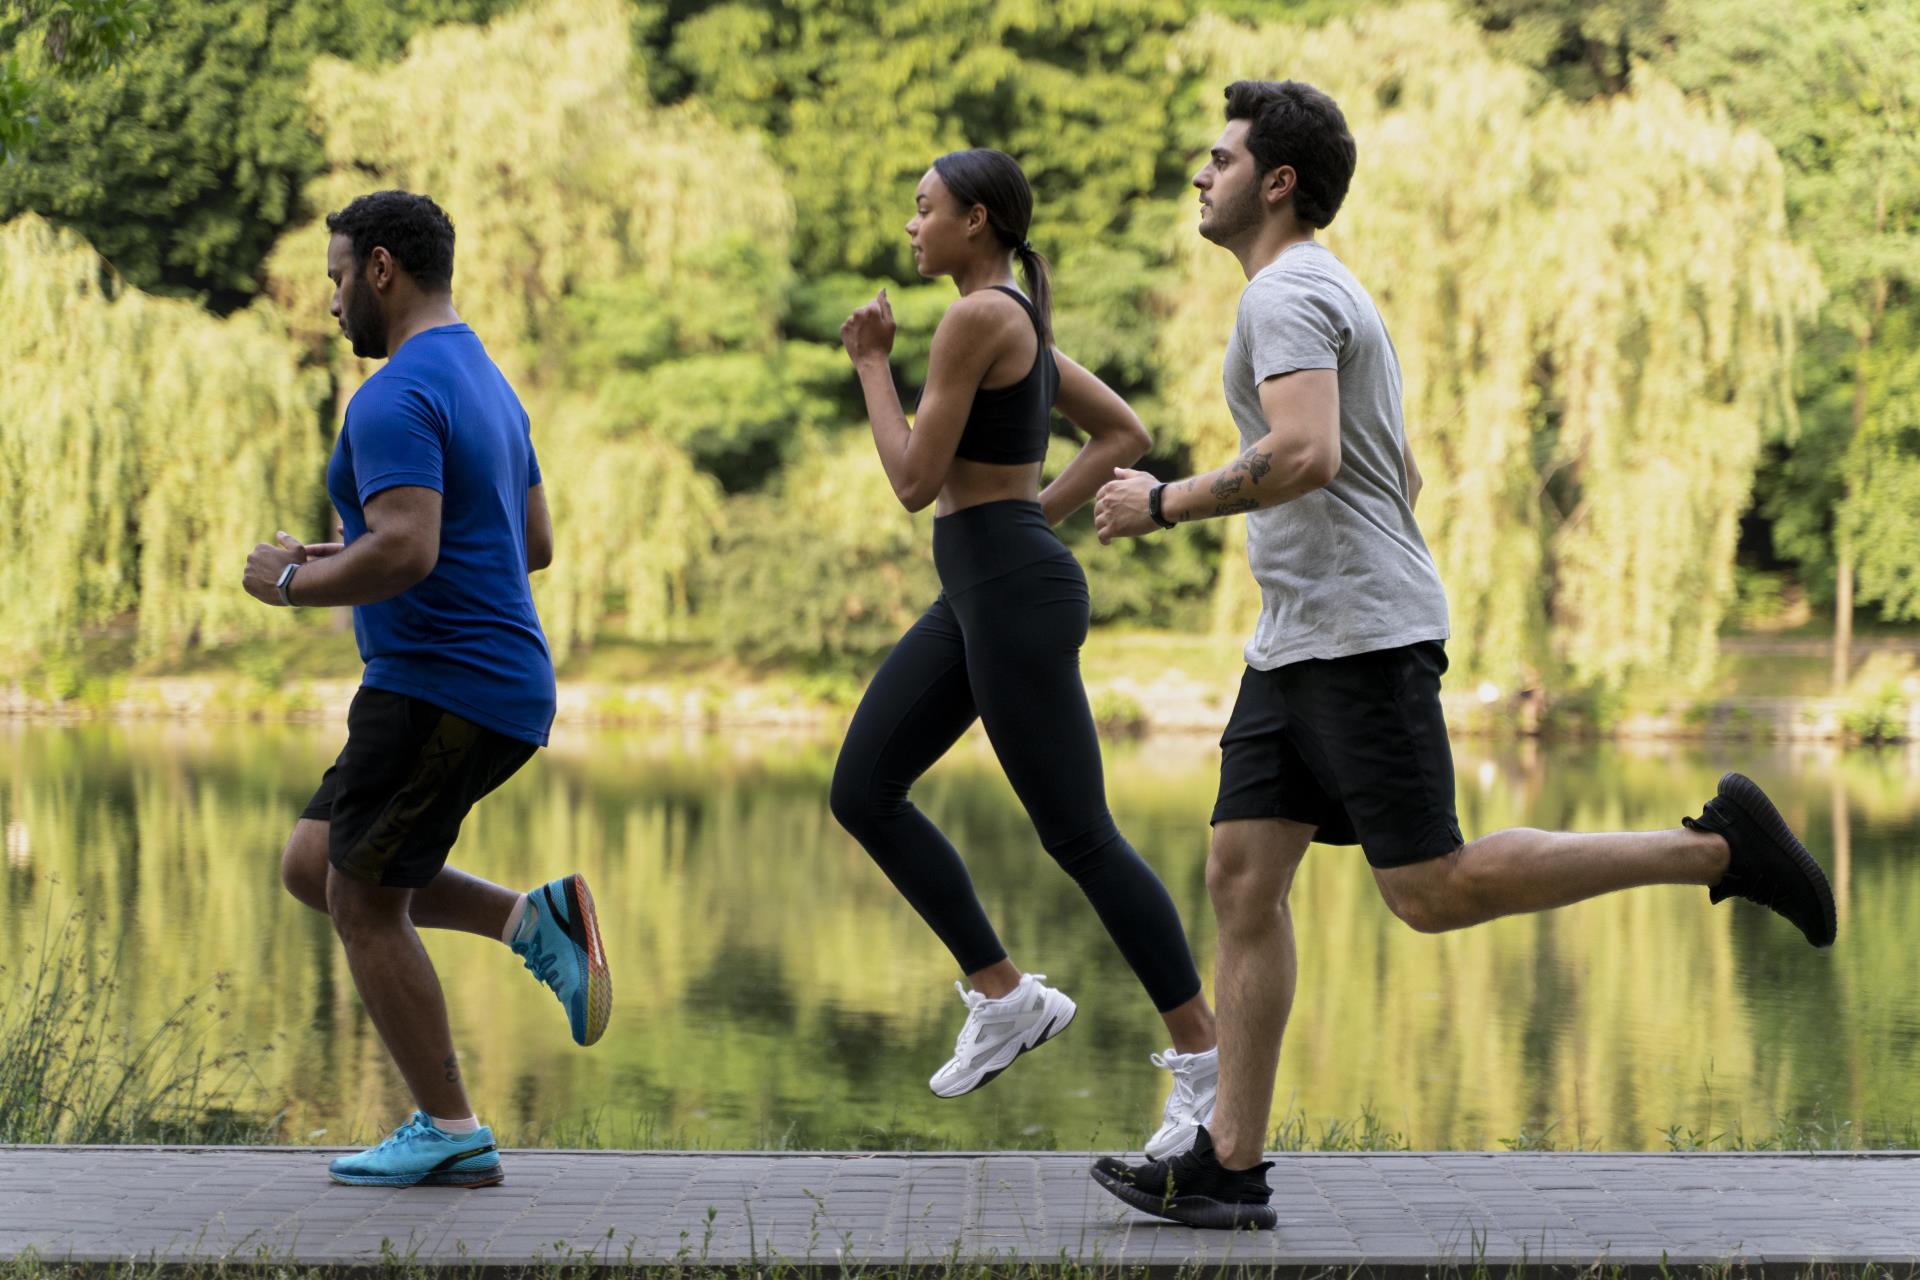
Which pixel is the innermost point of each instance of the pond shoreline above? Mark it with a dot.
(1171, 702)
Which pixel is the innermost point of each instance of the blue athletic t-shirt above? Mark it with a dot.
(465, 638)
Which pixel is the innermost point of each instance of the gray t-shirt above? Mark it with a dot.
(1342, 570)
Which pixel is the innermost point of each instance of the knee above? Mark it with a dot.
(1431, 897)
(303, 870)
(358, 909)
(1247, 886)
(849, 800)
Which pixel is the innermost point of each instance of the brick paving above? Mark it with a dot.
(1386, 1213)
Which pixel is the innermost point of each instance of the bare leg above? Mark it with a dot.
(1249, 873)
(1521, 870)
(402, 993)
(996, 980)
(455, 900)
(1191, 1026)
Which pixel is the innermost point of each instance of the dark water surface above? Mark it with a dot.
(770, 988)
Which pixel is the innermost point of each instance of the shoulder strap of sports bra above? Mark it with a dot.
(1033, 312)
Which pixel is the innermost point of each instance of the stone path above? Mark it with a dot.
(1391, 1213)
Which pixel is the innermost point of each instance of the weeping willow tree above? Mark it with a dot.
(1594, 308)
(144, 448)
(601, 240)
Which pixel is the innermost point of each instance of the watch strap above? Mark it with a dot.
(1154, 496)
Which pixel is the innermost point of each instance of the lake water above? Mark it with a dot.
(771, 989)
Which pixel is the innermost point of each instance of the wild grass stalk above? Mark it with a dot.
(73, 1068)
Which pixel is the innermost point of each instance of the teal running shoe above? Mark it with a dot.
(419, 1155)
(559, 942)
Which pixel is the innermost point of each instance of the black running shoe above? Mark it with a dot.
(1193, 1188)
(1768, 864)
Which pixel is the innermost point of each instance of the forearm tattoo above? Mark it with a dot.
(1249, 468)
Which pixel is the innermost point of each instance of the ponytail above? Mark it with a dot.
(994, 181)
(1039, 278)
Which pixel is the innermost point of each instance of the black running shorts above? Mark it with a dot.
(1356, 747)
(403, 784)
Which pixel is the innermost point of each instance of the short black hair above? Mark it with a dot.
(415, 230)
(1295, 124)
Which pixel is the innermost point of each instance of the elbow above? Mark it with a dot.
(539, 557)
(1318, 467)
(915, 494)
(1137, 442)
(413, 565)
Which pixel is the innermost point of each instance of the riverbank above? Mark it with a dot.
(1138, 683)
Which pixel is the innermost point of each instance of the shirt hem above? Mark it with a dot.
(1347, 649)
(464, 710)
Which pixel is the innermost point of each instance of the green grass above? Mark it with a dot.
(71, 1070)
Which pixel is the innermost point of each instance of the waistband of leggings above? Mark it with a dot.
(990, 540)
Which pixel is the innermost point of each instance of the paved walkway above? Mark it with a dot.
(98, 1204)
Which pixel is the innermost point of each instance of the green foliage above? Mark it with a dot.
(144, 447)
(1585, 47)
(1593, 331)
(67, 40)
(184, 163)
(861, 97)
(1882, 470)
(1829, 83)
(631, 309)
(825, 564)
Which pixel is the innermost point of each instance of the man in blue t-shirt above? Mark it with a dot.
(443, 517)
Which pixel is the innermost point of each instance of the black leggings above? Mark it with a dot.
(1002, 642)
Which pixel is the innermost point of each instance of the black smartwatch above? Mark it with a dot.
(1153, 507)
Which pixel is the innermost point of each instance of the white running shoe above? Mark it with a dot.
(1196, 1082)
(998, 1031)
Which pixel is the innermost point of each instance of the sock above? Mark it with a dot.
(458, 1128)
(513, 920)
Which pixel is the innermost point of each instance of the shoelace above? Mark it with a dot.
(976, 1001)
(416, 1126)
(1183, 1098)
(539, 962)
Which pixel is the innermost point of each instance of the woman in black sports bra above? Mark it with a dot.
(1002, 641)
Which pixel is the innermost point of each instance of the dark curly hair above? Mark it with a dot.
(415, 230)
(1295, 124)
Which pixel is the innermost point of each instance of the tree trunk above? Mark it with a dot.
(1842, 533)
(1842, 611)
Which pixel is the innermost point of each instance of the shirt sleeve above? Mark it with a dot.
(398, 434)
(1292, 325)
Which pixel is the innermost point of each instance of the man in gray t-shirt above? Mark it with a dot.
(1337, 735)
(1342, 569)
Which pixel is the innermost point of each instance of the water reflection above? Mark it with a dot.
(771, 988)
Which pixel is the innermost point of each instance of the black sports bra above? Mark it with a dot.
(1009, 425)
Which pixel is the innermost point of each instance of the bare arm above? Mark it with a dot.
(400, 547)
(1115, 439)
(539, 530)
(1414, 479)
(1299, 453)
(965, 346)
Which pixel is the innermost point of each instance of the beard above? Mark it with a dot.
(1233, 218)
(365, 326)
